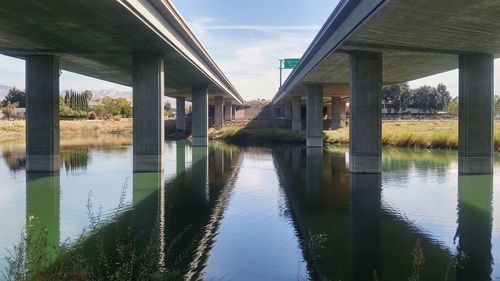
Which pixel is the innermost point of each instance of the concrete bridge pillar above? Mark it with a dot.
(42, 113)
(180, 114)
(296, 114)
(148, 91)
(288, 110)
(336, 112)
(218, 112)
(365, 125)
(200, 115)
(228, 110)
(314, 116)
(475, 114)
(233, 112)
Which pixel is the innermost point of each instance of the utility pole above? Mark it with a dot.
(281, 70)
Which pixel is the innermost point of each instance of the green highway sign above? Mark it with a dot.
(290, 63)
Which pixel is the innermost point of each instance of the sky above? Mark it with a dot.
(246, 39)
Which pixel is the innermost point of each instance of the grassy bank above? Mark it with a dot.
(15, 130)
(404, 133)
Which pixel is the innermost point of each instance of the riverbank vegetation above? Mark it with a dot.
(15, 130)
(397, 133)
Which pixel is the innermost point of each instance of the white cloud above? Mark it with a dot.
(251, 60)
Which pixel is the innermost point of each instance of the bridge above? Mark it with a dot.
(367, 44)
(144, 44)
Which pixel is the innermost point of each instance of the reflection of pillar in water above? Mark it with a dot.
(149, 208)
(475, 194)
(180, 157)
(314, 172)
(365, 192)
(200, 171)
(219, 161)
(145, 185)
(338, 163)
(42, 210)
(296, 160)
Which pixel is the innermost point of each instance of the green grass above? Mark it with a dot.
(415, 133)
(255, 135)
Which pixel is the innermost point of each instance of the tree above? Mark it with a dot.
(405, 100)
(8, 110)
(444, 97)
(15, 96)
(496, 104)
(453, 106)
(168, 106)
(425, 99)
(391, 95)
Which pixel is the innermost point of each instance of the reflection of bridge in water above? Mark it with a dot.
(182, 215)
(362, 237)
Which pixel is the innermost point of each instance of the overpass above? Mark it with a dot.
(370, 43)
(144, 44)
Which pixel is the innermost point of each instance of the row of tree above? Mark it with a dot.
(426, 99)
(74, 104)
(78, 101)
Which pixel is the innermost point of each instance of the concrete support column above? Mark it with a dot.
(296, 114)
(365, 125)
(180, 114)
(233, 112)
(149, 129)
(475, 114)
(200, 115)
(314, 116)
(218, 112)
(42, 113)
(288, 110)
(228, 105)
(336, 111)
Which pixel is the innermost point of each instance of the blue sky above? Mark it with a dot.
(246, 39)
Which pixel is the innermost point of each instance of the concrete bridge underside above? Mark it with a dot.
(367, 44)
(144, 44)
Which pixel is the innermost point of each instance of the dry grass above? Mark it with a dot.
(421, 133)
(10, 130)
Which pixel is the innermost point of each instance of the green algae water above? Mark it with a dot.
(263, 213)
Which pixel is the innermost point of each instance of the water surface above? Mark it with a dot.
(269, 213)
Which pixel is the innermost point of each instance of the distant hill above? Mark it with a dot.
(112, 93)
(99, 94)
